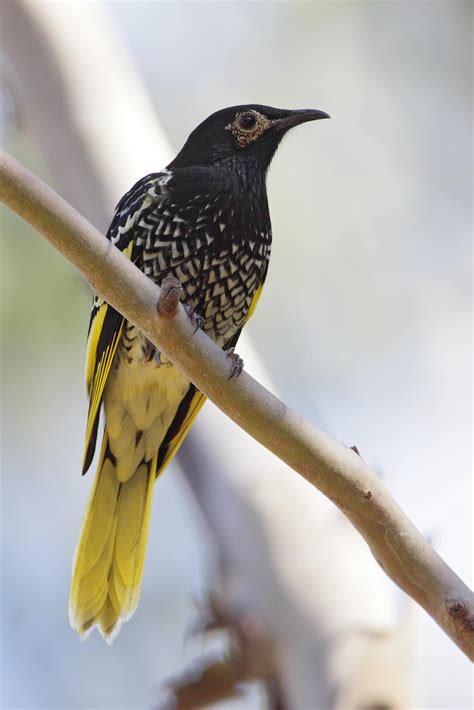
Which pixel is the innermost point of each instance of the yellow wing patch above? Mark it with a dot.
(254, 302)
(92, 342)
(104, 336)
(98, 363)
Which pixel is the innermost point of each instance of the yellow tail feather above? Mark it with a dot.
(109, 560)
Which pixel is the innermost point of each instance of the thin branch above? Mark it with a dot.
(335, 470)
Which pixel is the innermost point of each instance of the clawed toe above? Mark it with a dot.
(237, 364)
(195, 318)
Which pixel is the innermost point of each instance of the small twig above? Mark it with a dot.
(334, 469)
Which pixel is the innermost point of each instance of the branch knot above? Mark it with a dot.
(170, 293)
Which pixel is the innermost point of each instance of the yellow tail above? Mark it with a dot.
(109, 560)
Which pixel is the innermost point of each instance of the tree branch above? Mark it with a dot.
(335, 470)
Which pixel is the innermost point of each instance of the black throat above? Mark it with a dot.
(232, 192)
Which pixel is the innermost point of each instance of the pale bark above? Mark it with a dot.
(337, 471)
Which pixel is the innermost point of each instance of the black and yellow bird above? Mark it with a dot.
(204, 220)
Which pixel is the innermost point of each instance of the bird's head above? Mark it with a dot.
(250, 132)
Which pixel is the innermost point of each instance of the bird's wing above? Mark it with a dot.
(187, 412)
(106, 324)
(104, 335)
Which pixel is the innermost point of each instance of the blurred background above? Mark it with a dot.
(364, 327)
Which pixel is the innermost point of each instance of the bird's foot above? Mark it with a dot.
(195, 318)
(237, 364)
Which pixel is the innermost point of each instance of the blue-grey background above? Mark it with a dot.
(365, 322)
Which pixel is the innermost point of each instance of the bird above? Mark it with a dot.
(204, 219)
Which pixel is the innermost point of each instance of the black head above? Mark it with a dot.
(251, 132)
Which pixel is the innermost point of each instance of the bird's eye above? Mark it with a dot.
(247, 121)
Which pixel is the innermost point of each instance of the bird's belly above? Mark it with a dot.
(141, 399)
(225, 296)
(219, 280)
(224, 318)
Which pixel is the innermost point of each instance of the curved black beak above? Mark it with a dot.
(294, 118)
